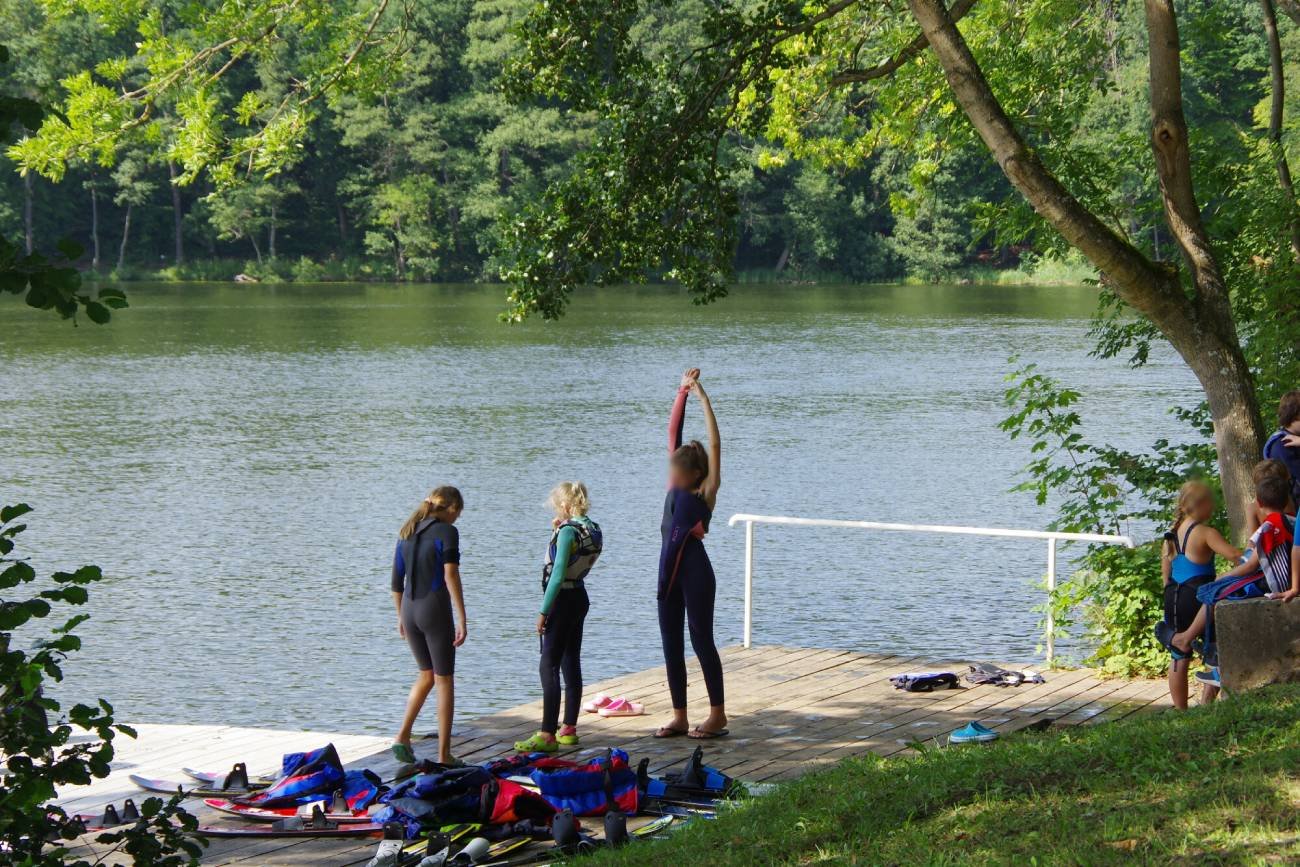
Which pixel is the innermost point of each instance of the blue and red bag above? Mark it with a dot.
(588, 788)
(304, 778)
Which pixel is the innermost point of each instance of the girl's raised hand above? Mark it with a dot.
(689, 378)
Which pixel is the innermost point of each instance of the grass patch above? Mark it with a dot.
(1218, 785)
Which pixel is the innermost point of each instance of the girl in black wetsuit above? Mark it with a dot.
(426, 587)
(686, 583)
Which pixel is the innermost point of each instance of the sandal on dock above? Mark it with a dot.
(669, 732)
(403, 753)
(622, 707)
(601, 700)
(699, 734)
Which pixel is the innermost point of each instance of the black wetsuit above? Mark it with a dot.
(418, 574)
(686, 582)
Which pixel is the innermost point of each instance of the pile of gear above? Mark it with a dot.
(518, 810)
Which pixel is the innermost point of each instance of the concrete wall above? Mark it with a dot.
(1259, 642)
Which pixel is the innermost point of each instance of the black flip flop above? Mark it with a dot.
(700, 734)
(670, 732)
(1165, 635)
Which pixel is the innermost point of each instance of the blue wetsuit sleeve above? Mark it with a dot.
(563, 551)
(688, 510)
(399, 569)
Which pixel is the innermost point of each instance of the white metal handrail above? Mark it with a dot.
(1051, 536)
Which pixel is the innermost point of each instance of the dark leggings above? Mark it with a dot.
(690, 600)
(561, 652)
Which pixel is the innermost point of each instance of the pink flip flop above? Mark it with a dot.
(600, 701)
(622, 707)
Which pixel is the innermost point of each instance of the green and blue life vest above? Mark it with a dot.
(588, 544)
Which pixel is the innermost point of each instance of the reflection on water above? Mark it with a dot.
(238, 459)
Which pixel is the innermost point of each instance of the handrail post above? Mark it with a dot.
(749, 582)
(1051, 592)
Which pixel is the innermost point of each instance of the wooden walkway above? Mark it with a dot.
(792, 710)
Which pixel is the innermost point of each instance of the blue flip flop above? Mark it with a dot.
(972, 733)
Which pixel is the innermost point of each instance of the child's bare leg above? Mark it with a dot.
(446, 710)
(1209, 693)
(1178, 682)
(1183, 640)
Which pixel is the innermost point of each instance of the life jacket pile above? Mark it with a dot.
(315, 776)
(456, 795)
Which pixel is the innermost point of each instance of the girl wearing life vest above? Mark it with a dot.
(576, 543)
(686, 583)
(1187, 563)
(426, 589)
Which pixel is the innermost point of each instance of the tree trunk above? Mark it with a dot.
(343, 223)
(257, 251)
(1277, 79)
(784, 258)
(1213, 348)
(270, 235)
(178, 215)
(398, 256)
(94, 229)
(1291, 8)
(503, 170)
(29, 228)
(126, 234)
(1200, 329)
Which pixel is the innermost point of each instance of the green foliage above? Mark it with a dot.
(40, 745)
(45, 282)
(1114, 598)
(179, 59)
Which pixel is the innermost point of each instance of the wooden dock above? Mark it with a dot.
(792, 710)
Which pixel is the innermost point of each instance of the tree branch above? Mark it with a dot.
(1291, 8)
(1275, 117)
(1150, 288)
(908, 53)
(1169, 144)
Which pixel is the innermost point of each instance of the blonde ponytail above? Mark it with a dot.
(570, 499)
(440, 500)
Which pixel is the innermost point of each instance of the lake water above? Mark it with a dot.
(238, 460)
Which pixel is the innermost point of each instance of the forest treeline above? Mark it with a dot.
(412, 183)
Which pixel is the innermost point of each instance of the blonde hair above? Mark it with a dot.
(440, 500)
(570, 498)
(1190, 495)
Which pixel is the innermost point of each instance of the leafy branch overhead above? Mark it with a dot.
(45, 282)
(173, 87)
